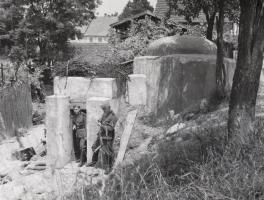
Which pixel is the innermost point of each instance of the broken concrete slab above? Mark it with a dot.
(130, 120)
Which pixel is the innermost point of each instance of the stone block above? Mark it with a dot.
(94, 113)
(59, 134)
(137, 89)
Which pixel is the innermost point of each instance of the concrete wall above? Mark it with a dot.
(91, 39)
(177, 81)
(137, 89)
(150, 66)
(80, 88)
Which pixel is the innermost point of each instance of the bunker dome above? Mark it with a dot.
(180, 72)
(181, 45)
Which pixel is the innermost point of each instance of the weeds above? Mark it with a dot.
(230, 174)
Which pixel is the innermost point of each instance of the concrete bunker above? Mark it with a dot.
(177, 72)
(180, 71)
(89, 94)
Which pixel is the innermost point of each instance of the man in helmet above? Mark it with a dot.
(103, 153)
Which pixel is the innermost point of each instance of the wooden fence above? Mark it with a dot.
(15, 109)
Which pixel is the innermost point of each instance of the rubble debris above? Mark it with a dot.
(176, 127)
(4, 179)
(38, 118)
(24, 154)
(41, 149)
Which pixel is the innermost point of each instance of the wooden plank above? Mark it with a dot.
(130, 120)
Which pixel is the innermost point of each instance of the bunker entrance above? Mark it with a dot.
(78, 127)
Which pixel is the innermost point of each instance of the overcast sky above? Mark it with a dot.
(112, 6)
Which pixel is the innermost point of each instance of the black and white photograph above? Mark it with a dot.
(131, 99)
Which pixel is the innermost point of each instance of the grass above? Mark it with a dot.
(213, 170)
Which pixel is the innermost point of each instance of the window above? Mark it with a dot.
(100, 39)
(91, 39)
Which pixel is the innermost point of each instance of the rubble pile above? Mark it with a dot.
(25, 175)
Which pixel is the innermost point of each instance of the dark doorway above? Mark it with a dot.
(76, 138)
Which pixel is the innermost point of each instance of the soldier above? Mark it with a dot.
(79, 129)
(103, 153)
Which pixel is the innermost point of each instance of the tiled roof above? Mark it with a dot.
(99, 26)
(137, 16)
(161, 8)
(94, 53)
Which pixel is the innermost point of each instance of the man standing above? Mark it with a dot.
(79, 129)
(103, 153)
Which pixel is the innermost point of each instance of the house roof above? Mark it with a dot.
(137, 16)
(99, 26)
(161, 8)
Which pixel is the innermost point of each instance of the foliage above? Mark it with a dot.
(191, 9)
(135, 7)
(142, 33)
(43, 27)
(36, 33)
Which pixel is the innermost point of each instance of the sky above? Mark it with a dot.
(112, 6)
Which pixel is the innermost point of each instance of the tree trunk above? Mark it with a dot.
(210, 24)
(220, 67)
(247, 74)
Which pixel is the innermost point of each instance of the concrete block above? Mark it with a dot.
(137, 89)
(94, 113)
(59, 134)
(74, 87)
(81, 88)
(103, 87)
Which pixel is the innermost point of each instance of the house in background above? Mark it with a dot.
(97, 31)
(93, 46)
(122, 26)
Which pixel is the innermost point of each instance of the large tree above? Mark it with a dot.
(42, 27)
(248, 70)
(135, 7)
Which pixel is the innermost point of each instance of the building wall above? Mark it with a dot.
(92, 39)
(175, 82)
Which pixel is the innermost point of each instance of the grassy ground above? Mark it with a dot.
(199, 166)
(231, 173)
(192, 169)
